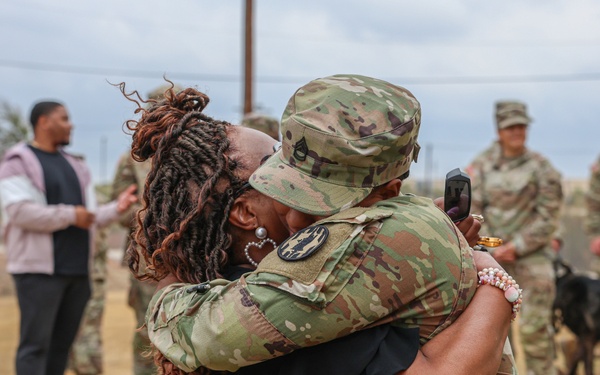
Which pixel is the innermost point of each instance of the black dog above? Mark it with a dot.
(578, 305)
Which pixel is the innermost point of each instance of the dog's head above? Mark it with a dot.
(562, 269)
(563, 272)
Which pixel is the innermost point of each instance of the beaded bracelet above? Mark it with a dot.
(502, 280)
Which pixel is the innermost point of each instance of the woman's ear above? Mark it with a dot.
(383, 192)
(242, 214)
(391, 189)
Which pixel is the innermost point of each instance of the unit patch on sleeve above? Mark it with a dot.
(304, 243)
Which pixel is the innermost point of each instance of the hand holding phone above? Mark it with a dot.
(457, 195)
(457, 203)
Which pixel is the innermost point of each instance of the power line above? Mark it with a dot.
(447, 80)
(72, 69)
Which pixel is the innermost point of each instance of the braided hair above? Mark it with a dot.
(183, 225)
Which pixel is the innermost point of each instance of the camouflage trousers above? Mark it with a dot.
(86, 353)
(140, 294)
(85, 357)
(535, 275)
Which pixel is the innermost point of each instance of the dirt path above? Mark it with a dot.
(117, 330)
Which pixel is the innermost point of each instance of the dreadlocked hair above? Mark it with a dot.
(183, 224)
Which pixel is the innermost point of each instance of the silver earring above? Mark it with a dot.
(261, 234)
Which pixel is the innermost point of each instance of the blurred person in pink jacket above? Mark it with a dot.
(49, 217)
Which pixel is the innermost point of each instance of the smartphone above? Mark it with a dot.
(457, 195)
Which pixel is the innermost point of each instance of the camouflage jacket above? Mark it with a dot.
(519, 198)
(401, 261)
(593, 202)
(130, 172)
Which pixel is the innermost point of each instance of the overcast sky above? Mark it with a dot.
(457, 57)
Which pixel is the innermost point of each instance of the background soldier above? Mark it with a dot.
(86, 353)
(593, 214)
(266, 124)
(131, 172)
(519, 193)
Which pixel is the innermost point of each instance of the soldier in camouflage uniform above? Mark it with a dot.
(85, 357)
(348, 140)
(266, 124)
(593, 214)
(519, 193)
(140, 292)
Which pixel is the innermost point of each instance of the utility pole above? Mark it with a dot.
(248, 76)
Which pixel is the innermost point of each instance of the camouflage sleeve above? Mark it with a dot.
(220, 329)
(240, 323)
(474, 171)
(544, 219)
(124, 177)
(593, 202)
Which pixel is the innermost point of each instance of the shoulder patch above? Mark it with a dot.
(303, 244)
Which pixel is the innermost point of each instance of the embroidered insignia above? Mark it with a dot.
(301, 149)
(303, 244)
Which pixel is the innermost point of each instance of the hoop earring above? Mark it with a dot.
(261, 234)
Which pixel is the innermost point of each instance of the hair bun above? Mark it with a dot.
(164, 120)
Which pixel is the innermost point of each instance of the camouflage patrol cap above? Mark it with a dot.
(510, 113)
(266, 124)
(341, 136)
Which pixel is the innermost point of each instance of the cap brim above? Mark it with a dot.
(278, 180)
(512, 121)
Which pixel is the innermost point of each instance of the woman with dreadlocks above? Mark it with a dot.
(196, 198)
(196, 195)
(200, 222)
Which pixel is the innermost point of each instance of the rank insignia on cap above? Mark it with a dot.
(301, 149)
(303, 244)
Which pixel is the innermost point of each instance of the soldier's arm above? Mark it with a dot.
(220, 329)
(538, 232)
(124, 177)
(593, 202)
(593, 209)
(475, 173)
(223, 328)
(271, 312)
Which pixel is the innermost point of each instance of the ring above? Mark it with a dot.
(478, 218)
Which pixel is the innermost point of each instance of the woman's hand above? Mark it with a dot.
(469, 227)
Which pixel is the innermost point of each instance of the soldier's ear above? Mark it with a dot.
(388, 190)
(391, 189)
(242, 214)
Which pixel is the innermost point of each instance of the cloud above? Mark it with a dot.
(415, 44)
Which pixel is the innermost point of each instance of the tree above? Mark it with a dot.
(13, 128)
